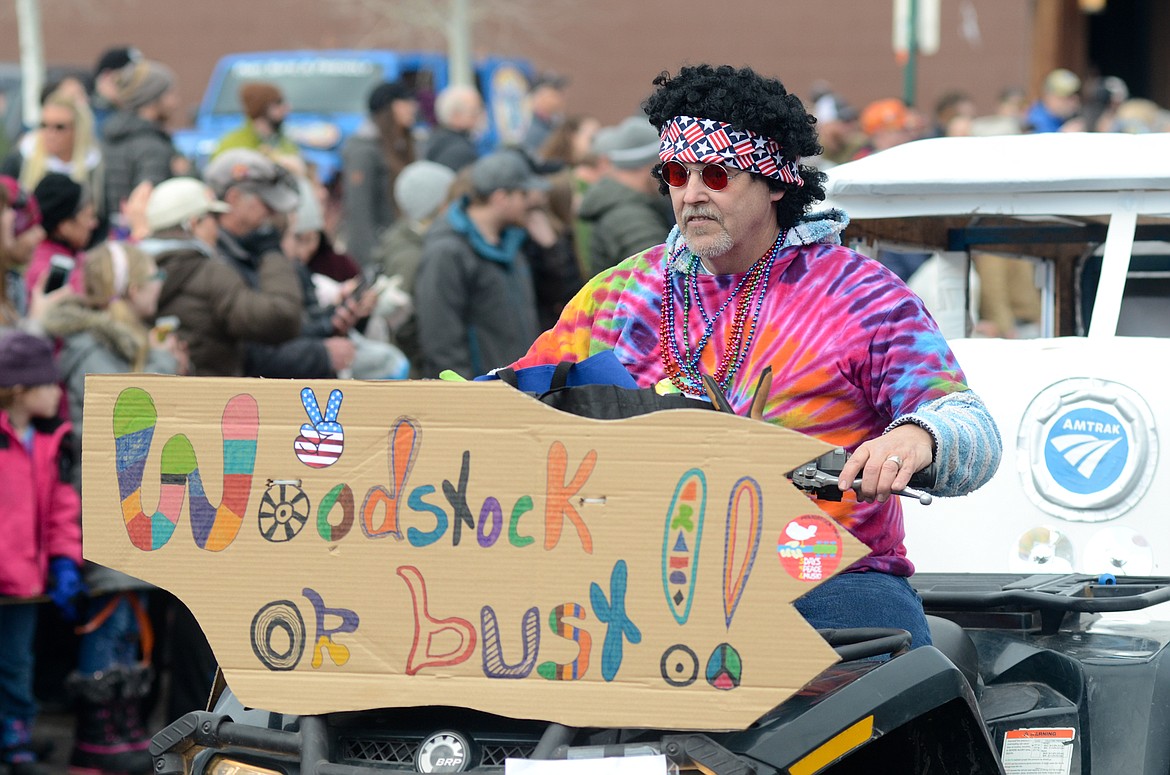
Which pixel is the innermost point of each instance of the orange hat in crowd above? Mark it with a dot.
(889, 115)
(256, 97)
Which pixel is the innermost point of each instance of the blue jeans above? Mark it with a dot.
(18, 627)
(866, 600)
(115, 642)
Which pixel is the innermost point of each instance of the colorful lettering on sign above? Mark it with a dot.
(213, 528)
(278, 635)
(680, 543)
(284, 510)
(338, 652)
(612, 612)
(557, 504)
(724, 667)
(423, 650)
(679, 665)
(494, 665)
(322, 439)
(576, 669)
(735, 576)
(403, 446)
(342, 495)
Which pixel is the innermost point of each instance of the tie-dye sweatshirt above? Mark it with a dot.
(852, 350)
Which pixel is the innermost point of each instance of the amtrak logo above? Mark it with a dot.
(1087, 449)
(443, 752)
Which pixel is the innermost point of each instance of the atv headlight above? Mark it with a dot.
(221, 766)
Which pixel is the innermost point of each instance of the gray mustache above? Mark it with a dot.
(701, 212)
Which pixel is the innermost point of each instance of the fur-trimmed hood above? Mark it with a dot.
(70, 320)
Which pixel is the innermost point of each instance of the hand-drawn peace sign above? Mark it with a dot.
(322, 439)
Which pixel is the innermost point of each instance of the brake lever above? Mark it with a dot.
(821, 478)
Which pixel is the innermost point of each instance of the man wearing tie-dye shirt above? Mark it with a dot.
(749, 279)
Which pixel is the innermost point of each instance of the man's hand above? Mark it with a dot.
(341, 352)
(887, 463)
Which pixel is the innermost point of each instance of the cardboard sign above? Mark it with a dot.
(350, 545)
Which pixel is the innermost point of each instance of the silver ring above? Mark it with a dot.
(897, 461)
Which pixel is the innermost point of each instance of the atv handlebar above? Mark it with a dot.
(820, 477)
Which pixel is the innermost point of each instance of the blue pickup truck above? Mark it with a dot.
(327, 93)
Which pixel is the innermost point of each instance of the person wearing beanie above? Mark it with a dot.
(104, 97)
(623, 210)
(135, 142)
(265, 110)
(421, 192)
(40, 545)
(67, 215)
(372, 158)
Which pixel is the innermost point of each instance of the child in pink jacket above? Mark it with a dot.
(40, 529)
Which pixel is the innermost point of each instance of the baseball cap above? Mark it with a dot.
(1062, 82)
(255, 172)
(631, 144)
(178, 199)
(116, 58)
(505, 170)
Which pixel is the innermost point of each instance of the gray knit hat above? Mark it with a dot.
(143, 83)
(421, 188)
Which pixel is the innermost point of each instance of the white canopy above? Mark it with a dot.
(1043, 174)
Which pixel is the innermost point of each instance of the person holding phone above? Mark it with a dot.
(69, 220)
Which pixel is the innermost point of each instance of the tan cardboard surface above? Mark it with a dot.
(348, 545)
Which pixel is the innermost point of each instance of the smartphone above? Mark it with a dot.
(60, 266)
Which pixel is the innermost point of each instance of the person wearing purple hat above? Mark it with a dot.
(40, 545)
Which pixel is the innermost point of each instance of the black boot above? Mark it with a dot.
(16, 751)
(100, 746)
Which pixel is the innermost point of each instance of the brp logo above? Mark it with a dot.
(1087, 449)
(443, 752)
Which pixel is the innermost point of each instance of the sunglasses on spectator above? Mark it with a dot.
(56, 127)
(714, 176)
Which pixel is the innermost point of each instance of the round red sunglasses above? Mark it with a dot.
(714, 176)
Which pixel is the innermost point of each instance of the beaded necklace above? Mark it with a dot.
(682, 364)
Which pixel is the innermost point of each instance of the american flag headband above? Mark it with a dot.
(706, 141)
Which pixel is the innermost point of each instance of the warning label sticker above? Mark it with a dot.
(1040, 751)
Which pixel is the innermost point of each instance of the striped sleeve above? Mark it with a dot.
(967, 442)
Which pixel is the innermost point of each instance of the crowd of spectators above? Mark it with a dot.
(117, 255)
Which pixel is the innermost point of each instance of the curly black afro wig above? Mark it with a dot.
(746, 100)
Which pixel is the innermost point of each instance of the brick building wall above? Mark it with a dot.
(611, 49)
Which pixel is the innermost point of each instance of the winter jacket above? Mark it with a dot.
(219, 308)
(452, 149)
(369, 208)
(475, 301)
(95, 343)
(135, 150)
(624, 222)
(39, 511)
(304, 356)
(246, 136)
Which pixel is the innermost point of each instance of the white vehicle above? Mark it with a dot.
(1083, 486)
